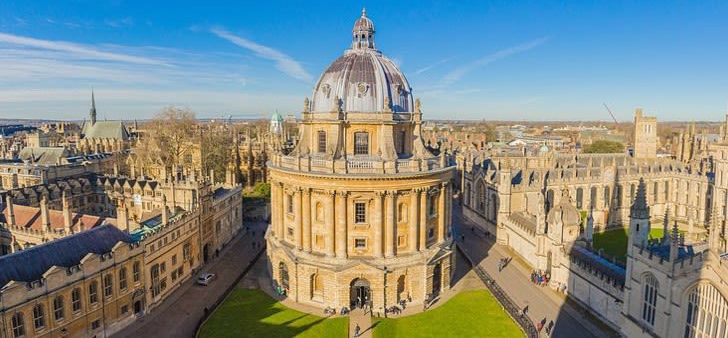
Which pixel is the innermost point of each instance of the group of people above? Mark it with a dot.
(540, 278)
(549, 327)
(329, 311)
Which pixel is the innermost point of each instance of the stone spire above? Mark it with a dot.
(44, 216)
(67, 217)
(9, 206)
(92, 112)
(639, 208)
(674, 242)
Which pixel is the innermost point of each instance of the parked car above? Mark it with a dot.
(205, 278)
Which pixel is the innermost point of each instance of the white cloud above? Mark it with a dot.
(284, 63)
(429, 67)
(77, 49)
(456, 74)
(120, 23)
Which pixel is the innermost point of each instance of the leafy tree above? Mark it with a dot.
(604, 147)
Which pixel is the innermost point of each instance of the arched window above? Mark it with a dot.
(76, 300)
(467, 194)
(579, 198)
(649, 298)
(122, 278)
(108, 285)
(321, 146)
(667, 191)
(401, 288)
(18, 325)
(655, 188)
(317, 286)
(283, 275)
(361, 143)
(493, 206)
(38, 317)
(707, 312)
(481, 196)
(93, 292)
(58, 313)
(593, 198)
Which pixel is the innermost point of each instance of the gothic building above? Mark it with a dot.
(360, 208)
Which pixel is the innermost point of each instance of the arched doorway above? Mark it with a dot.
(401, 288)
(360, 293)
(205, 252)
(283, 276)
(436, 280)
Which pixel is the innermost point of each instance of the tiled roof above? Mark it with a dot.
(30, 264)
(29, 217)
(43, 155)
(105, 129)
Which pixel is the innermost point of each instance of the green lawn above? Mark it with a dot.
(468, 314)
(614, 242)
(252, 313)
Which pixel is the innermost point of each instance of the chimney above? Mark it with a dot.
(212, 176)
(11, 213)
(122, 217)
(165, 211)
(44, 217)
(67, 218)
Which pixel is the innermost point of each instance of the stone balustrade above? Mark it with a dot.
(355, 165)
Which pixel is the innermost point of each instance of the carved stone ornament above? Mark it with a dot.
(326, 89)
(362, 88)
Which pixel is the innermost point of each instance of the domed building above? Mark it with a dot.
(361, 209)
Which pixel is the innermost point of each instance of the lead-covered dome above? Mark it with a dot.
(362, 80)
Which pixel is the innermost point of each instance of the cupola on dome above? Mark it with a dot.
(363, 79)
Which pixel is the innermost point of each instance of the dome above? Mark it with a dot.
(363, 79)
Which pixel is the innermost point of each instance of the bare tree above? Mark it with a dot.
(169, 138)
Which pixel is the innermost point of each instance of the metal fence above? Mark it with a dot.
(505, 301)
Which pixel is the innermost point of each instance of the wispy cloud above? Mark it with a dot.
(456, 74)
(120, 23)
(429, 67)
(284, 62)
(77, 49)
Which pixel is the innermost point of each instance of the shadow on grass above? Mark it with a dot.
(252, 313)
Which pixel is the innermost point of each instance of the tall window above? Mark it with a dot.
(289, 203)
(481, 196)
(58, 308)
(432, 204)
(76, 300)
(361, 143)
(360, 212)
(154, 273)
(655, 188)
(321, 141)
(93, 292)
(108, 285)
(593, 197)
(38, 317)
(707, 313)
(649, 299)
(579, 198)
(667, 191)
(136, 271)
(401, 140)
(122, 278)
(18, 325)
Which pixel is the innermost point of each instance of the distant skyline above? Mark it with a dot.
(495, 60)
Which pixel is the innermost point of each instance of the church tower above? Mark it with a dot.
(92, 111)
(645, 136)
(639, 217)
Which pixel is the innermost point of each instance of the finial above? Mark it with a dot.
(364, 12)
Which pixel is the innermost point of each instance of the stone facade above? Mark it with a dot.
(645, 136)
(361, 210)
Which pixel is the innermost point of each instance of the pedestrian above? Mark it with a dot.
(356, 330)
(550, 327)
(525, 310)
(463, 238)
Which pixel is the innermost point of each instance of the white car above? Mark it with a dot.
(205, 278)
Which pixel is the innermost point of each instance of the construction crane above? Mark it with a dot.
(610, 113)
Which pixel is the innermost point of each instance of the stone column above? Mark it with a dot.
(423, 221)
(390, 237)
(377, 225)
(297, 214)
(341, 223)
(441, 212)
(306, 212)
(330, 232)
(414, 219)
(281, 211)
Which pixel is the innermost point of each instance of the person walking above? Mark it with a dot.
(356, 330)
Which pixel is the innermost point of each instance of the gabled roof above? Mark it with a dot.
(30, 264)
(29, 218)
(105, 129)
(43, 155)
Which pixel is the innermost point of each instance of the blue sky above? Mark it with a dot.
(532, 60)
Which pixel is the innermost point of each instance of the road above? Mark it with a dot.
(179, 314)
(515, 280)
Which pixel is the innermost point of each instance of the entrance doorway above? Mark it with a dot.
(138, 307)
(360, 293)
(205, 252)
(436, 280)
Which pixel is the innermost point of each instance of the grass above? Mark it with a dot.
(468, 314)
(614, 242)
(252, 313)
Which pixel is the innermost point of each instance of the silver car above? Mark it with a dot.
(205, 278)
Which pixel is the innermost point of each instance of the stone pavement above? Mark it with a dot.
(179, 314)
(364, 320)
(543, 303)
